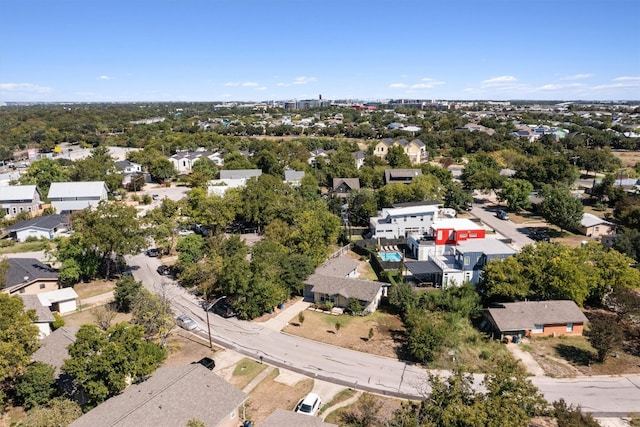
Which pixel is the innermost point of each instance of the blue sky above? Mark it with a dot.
(252, 50)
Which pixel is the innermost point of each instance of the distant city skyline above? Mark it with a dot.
(258, 50)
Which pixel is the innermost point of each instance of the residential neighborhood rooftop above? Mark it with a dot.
(524, 315)
(337, 267)
(363, 290)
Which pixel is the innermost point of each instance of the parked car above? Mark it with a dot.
(164, 270)
(207, 362)
(224, 309)
(539, 236)
(155, 196)
(502, 214)
(184, 232)
(309, 405)
(153, 252)
(185, 322)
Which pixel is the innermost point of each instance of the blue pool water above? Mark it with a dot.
(391, 256)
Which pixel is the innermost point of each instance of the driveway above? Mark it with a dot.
(485, 209)
(386, 376)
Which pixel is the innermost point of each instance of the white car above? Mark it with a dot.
(185, 322)
(309, 405)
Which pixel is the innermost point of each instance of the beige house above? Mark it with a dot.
(29, 276)
(594, 227)
(414, 149)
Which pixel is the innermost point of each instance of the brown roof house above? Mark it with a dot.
(343, 186)
(401, 176)
(537, 318)
(171, 397)
(335, 282)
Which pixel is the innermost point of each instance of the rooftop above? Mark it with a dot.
(516, 316)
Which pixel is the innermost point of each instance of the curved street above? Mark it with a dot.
(601, 395)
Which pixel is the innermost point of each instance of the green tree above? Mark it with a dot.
(482, 172)
(161, 169)
(503, 280)
(102, 362)
(161, 223)
(190, 249)
(112, 230)
(153, 312)
(125, 292)
(36, 386)
(397, 158)
(235, 161)
(516, 193)
(560, 207)
(605, 335)
(455, 197)
(426, 333)
(59, 412)
(568, 416)
(18, 339)
(42, 173)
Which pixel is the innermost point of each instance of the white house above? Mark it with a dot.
(293, 178)
(15, 199)
(44, 316)
(396, 223)
(67, 197)
(183, 160)
(61, 300)
(41, 227)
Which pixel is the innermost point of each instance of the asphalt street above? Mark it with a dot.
(608, 396)
(484, 209)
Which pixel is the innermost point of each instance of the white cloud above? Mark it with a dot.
(232, 84)
(103, 77)
(627, 79)
(283, 85)
(397, 85)
(428, 84)
(25, 87)
(621, 83)
(577, 76)
(303, 80)
(249, 84)
(499, 81)
(262, 88)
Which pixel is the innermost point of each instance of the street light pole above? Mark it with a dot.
(207, 307)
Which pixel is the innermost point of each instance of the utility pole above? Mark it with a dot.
(206, 309)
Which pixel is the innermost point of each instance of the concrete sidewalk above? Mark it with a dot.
(526, 359)
(282, 319)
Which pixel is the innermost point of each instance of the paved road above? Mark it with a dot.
(603, 395)
(486, 211)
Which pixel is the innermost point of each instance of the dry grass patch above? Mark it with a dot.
(572, 356)
(388, 331)
(343, 395)
(368, 403)
(245, 371)
(88, 316)
(270, 395)
(628, 158)
(184, 348)
(93, 288)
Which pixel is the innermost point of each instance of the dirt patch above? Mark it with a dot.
(385, 406)
(388, 331)
(185, 348)
(270, 395)
(628, 158)
(84, 317)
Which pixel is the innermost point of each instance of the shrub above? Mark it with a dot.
(36, 386)
(58, 323)
(327, 306)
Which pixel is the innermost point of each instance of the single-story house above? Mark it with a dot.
(15, 199)
(67, 197)
(341, 266)
(44, 316)
(29, 276)
(595, 227)
(281, 417)
(41, 227)
(339, 291)
(537, 318)
(53, 348)
(401, 176)
(171, 396)
(61, 300)
(240, 173)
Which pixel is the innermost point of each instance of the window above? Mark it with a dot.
(22, 291)
(596, 228)
(473, 235)
(538, 329)
(42, 285)
(569, 327)
(467, 260)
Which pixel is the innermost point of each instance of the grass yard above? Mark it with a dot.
(388, 331)
(628, 158)
(270, 395)
(345, 394)
(40, 245)
(245, 371)
(79, 318)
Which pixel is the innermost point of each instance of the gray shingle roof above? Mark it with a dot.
(32, 302)
(290, 175)
(352, 183)
(282, 418)
(47, 222)
(337, 267)
(53, 348)
(170, 397)
(400, 174)
(19, 268)
(518, 316)
(364, 290)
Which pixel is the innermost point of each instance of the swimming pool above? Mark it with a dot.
(391, 256)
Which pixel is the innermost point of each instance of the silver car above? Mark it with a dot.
(185, 322)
